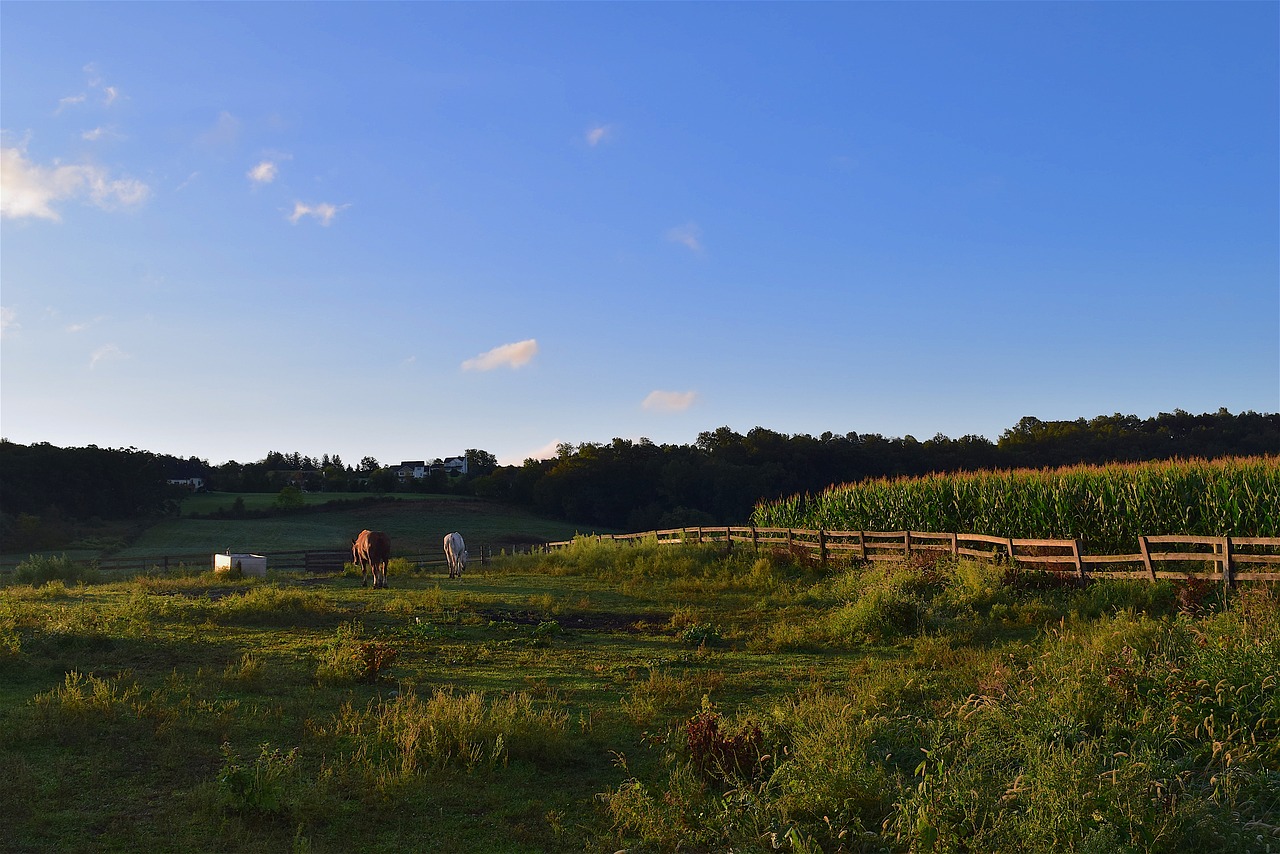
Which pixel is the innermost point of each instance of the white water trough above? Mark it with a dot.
(248, 564)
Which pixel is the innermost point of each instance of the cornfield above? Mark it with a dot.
(1108, 507)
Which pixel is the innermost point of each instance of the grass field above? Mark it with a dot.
(648, 698)
(416, 524)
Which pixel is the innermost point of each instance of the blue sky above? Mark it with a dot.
(404, 230)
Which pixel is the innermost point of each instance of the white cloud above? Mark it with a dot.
(670, 401)
(264, 173)
(687, 235)
(70, 101)
(8, 321)
(101, 132)
(599, 134)
(511, 355)
(81, 327)
(105, 353)
(30, 190)
(324, 212)
(110, 94)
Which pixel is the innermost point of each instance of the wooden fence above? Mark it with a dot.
(314, 560)
(1225, 555)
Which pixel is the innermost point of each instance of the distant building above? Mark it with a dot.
(418, 469)
(195, 484)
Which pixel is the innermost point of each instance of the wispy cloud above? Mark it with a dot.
(101, 132)
(670, 401)
(508, 355)
(110, 94)
(689, 235)
(546, 452)
(81, 327)
(264, 173)
(108, 352)
(31, 190)
(224, 132)
(70, 101)
(8, 321)
(599, 134)
(324, 212)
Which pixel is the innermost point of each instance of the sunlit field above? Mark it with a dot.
(647, 698)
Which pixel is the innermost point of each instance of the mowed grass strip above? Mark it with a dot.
(641, 697)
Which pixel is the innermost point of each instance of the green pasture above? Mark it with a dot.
(211, 502)
(416, 524)
(645, 698)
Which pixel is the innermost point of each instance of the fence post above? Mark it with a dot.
(955, 545)
(906, 542)
(862, 546)
(822, 546)
(1013, 560)
(1075, 554)
(1227, 579)
(1145, 548)
(755, 540)
(699, 535)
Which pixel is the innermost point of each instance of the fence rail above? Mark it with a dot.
(310, 560)
(1225, 554)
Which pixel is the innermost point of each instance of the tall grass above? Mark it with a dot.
(1108, 506)
(1117, 734)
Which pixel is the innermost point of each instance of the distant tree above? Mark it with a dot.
(383, 480)
(290, 498)
(479, 463)
(369, 465)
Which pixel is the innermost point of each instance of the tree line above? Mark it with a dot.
(640, 486)
(625, 484)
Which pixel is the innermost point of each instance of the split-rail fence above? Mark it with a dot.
(1228, 557)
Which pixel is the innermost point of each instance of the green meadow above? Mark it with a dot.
(644, 698)
(205, 525)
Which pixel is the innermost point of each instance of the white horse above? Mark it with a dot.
(455, 551)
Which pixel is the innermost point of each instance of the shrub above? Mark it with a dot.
(257, 788)
(719, 756)
(38, 570)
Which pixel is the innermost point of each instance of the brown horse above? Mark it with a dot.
(371, 551)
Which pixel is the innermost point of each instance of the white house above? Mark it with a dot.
(419, 469)
(416, 469)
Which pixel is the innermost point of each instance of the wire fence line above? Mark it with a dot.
(302, 560)
(1228, 559)
(1224, 555)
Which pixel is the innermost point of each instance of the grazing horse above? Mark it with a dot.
(371, 551)
(455, 551)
